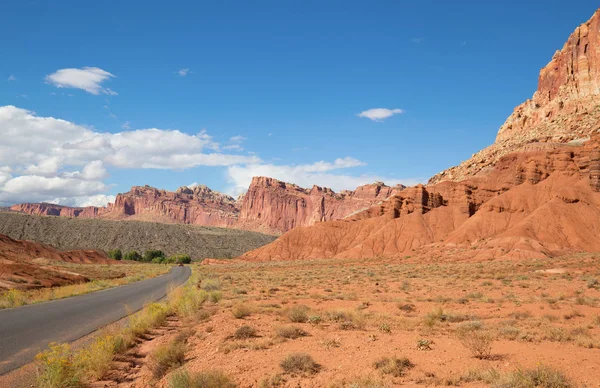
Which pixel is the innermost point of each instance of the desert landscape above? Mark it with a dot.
(487, 275)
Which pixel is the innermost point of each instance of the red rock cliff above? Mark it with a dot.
(564, 108)
(269, 205)
(273, 206)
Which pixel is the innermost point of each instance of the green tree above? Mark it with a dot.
(181, 258)
(115, 254)
(132, 255)
(152, 254)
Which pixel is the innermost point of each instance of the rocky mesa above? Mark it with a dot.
(269, 206)
(534, 193)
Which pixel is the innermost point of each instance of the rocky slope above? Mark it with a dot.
(269, 206)
(78, 233)
(565, 107)
(27, 264)
(534, 193)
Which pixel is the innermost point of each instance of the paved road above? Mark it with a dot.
(25, 331)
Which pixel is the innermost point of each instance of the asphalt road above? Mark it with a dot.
(27, 330)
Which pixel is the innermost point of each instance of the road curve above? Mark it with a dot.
(25, 331)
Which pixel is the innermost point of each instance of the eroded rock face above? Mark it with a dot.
(534, 203)
(49, 209)
(273, 206)
(565, 107)
(198, 205)
(269, 206)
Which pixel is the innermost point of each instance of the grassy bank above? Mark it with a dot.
(103, 276)
(61, 366)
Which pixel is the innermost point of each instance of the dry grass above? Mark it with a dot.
(300, 364)
(166, 357)
(205, 379)
(396, 367)
(97, 272)
(290, 332)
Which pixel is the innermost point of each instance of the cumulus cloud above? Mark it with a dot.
(46, 158)
(306, 175)
(379, 114)
(89, 79)
(183, 72)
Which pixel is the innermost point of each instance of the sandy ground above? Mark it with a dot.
(536, 312)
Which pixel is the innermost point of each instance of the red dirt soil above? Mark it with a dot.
(25, 264)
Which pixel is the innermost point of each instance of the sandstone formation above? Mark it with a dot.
(565, 108)
(534, 193)
(269, 206)
(27, 264)
(274, 206)
(531, 204)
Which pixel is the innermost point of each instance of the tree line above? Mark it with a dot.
(150, 256)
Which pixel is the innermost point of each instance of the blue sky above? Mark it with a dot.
(276, 87)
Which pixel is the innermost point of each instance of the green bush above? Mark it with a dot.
(115, 254)
(152, 254)
(181, 258)
(133, 256)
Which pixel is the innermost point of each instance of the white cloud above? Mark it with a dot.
(49, 159)
(45, 157)
(126, 125)
(86, 78)
(95, 200)
(417, 40)
(379, 114)
(183, 72)
(12, 78)
(306, 175)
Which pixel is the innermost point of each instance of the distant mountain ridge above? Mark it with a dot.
(269, 206)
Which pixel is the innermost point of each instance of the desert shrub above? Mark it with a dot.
(478, 342)
(166, 357)
(347, 319)
(407, 307)
(115, 254)
(290, 332)
(385, 328)
(206, 379)
(365, 382)
(272, 381)
(299, 363)
(181, 258)
(56, 369)
(96, 358)
(186, 301)
(593, 283)
(245, 332)
(241, 310)
(315, 319)
(152, 254)
(12, 298)
(210, 284)
(214, 296)
(133, 256)
(298, 313)
(396, 367)
(488, 376)
(424, 344)
(540, 377)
